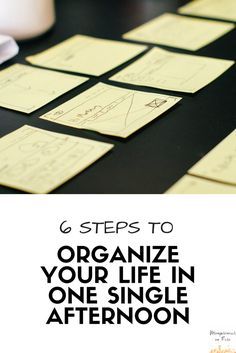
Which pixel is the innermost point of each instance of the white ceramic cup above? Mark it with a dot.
(25, 19)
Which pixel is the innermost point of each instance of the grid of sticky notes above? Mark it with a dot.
(87, 55)
(111, 110)
(179, 31)
(215, 173)
(38, 161)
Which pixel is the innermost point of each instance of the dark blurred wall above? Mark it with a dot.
(123, 18)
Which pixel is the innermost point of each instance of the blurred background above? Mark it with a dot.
(29, 18)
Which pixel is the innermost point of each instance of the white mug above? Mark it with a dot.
(25, 19)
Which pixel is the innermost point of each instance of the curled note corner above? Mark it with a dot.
(8, 48)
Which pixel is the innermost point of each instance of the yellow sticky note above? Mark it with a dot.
(87, 55)
(38, 161)
(194, 185)
(179, 31)
(220, 163)
(111, 110)
(172, 71)
(26, 89)
(222, 9)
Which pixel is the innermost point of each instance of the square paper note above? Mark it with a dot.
(38, 161)
(111, 110)
(171, 71)
(26, 89)
(194, 185)
(220, 163)
(222, 9)
(87, 55)
(179, 31)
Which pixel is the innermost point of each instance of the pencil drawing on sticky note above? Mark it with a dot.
(87, 55)
(173, 71)
(220, 163)
(38, 161)
(111, 110)
(26, 89)
(179, 31)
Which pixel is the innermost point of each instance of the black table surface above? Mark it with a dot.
(155, 157)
